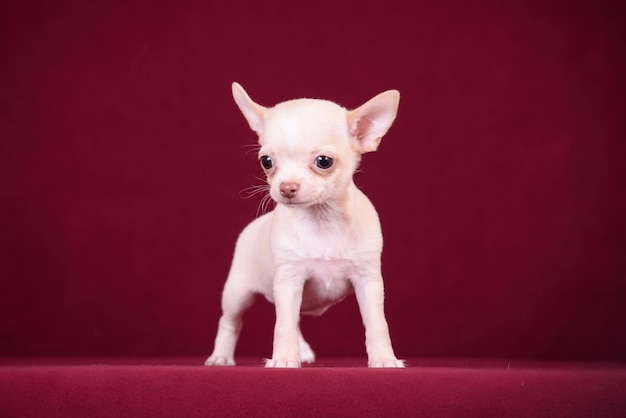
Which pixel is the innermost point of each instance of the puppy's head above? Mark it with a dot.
(311, 148)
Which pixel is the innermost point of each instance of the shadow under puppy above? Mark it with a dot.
(323, 239)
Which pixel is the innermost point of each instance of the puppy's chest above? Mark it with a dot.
(322, 244)
(325, 257)
(329, 253)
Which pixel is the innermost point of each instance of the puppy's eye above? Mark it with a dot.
(323, 162)
(266, 162)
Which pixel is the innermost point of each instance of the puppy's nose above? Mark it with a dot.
(289, 189)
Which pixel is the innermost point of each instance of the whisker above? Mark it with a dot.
(259, 208)
(252, 148)
(255, 190)
(263, 205)
(251, 191)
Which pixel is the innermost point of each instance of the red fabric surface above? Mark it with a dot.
(182, 387)
(500, 187)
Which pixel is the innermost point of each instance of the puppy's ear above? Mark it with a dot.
(369, 122)
(253, 112)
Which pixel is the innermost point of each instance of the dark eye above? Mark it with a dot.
(324, 162)
(266, 162)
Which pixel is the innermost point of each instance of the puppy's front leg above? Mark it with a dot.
(370, 295)
(288, 300)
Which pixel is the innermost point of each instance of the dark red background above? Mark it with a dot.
(501, 187)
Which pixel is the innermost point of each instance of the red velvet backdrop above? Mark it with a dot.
(501, 187)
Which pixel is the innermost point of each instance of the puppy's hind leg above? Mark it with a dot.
(305, 352)
(234, 303)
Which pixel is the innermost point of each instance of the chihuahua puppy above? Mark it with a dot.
(323, 240)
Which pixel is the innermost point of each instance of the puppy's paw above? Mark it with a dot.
(282, 363)
(217, 360)
(386, 363)
(306, 353)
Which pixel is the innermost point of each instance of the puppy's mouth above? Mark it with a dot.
(294, 202)
(299, 201)
(302, 199)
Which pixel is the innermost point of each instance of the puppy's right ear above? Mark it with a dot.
(253, 112)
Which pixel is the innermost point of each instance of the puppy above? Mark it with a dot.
(323, 240)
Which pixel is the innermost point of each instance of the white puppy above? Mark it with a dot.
(323, 240)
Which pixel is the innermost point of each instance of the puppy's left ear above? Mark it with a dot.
(369, 122)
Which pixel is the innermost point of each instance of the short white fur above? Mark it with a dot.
(323, 240)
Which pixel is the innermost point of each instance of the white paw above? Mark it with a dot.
(391, 363)
(282, 363)
(216, 360)
(306, 353)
